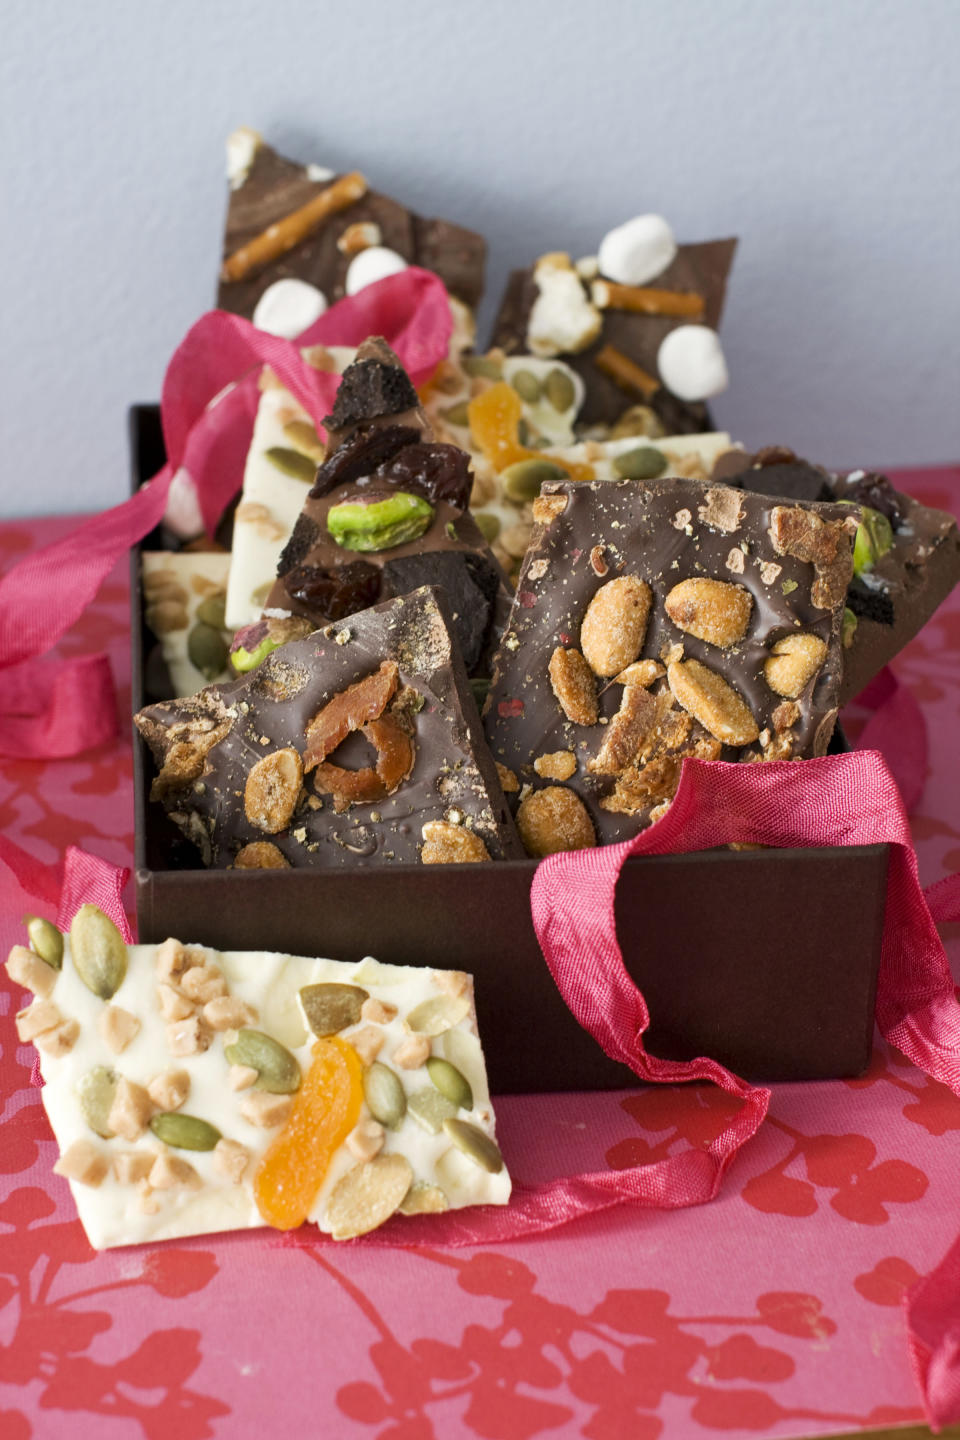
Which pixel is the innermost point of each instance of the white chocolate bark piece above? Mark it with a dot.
(184, 590)
(184, 1161)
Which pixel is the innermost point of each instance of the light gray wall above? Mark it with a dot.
(825, 133)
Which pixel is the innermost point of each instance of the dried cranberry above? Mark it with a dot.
(334, 593)
(437, 472)
(877, 492)
(360, 454)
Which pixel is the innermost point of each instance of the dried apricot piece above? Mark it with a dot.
(325, 1110)
(353, 707)
(494, 417)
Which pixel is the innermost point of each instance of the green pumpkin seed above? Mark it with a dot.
(638, 420)
(488, 524)
(384, 1095)
(95, 1092)
(457, 415)
(439, 1013)
(450, 1082)
(527, 386)
(46, 940)
(525, 434)
(328, 1009)
(367, 1195)
(184, 1132)
(213, 610)
(644, 463)
(522, 481)
(99, 954)
(429, 1108)
(560, 390)
(207, 650)
(480, 365)
(292, 463)
(304, 438)
(277, 1070)
(424, 1199)
(475, 1144)
(480, 686)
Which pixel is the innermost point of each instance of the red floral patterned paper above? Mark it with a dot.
(773, 1311)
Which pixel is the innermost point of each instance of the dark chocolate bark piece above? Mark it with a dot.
(385, 451)
(700, 269)
(274, 188)
(658, 619)
(337, 750)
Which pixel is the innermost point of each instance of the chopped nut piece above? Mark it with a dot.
(117, 1028)
(794, 662)
(261, 855)
(769, 571)
(378, 1012)
(265, 1110)
(827, 545)
(451, 982)
(41, 1015)
(625, 734)
(641, 672)
(598, 564)
(412, 1053)
(366, 1139)
(368, 1042)
(615, 623)
(548, 507)
(60, 1040)
(712, 701)
(712, 610)
(735, 560)
(203, 983)
(83, 1162)
(228, 1013)
(574, 686)
(446, 844)
(169, 1170)
(682, 519)
(821, 740)
(554, 819)
(131, 1109)
(509, 783)
(169, 1090)
(27, 969)
(558, 765)
(785, 716)
(272, 790)
(723, 509)
(241, 1077)
(189, 1037)
(231, 1159)
(132, 1166)
(171, 960)
(173, 1005)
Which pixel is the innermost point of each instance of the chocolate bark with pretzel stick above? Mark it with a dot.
(658, 619)
(272, 770)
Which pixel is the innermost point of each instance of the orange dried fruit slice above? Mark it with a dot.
(494, 417)
(325, 1110)
(351, 709)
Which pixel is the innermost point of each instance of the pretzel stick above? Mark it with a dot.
(623, 372)
(644, 301)
(284, 234)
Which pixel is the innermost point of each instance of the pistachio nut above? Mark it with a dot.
(646, 462)
(45, 940)
(849, 629)
(184, 1132)
(522, 480)
(277, 1069)
(207, 650)
(874, 539)
(328, 1009)
(454, 1086)
(527, 386)
(243, 659)
(559, 389)
(379, 522)
(95, 1091)
(292, 462)
(384, 1094)
(475, 1144)
(213, 610)
(99, 954)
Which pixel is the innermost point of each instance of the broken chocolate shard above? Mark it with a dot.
(228, 756)
(470, 585)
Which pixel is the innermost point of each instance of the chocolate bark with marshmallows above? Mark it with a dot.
(655, 620)
(272, 770)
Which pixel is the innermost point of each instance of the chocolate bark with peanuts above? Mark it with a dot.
(270, 188)
(906, 562)
(273, 769)
(664, 618)
(387, 513)
(699, 270)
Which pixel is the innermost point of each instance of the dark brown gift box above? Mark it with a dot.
(765, 960)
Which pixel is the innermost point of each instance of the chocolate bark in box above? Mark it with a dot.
(388, 513)
(906, 559)
(254, 774)
(655, 620)
(697, 273)
(268, 191)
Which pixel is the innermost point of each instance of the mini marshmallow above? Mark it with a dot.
(182, 514)
(691, 363)
(374, 263)
(288, 307)
(637, 251)
(242, 146)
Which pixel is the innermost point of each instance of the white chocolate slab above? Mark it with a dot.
(116, 1213)
(199, 574)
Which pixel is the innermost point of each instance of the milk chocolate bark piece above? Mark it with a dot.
(403, 502)
(892, 594)
(273, 188)
(699, 270)
(273, 768)
(658, 619)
